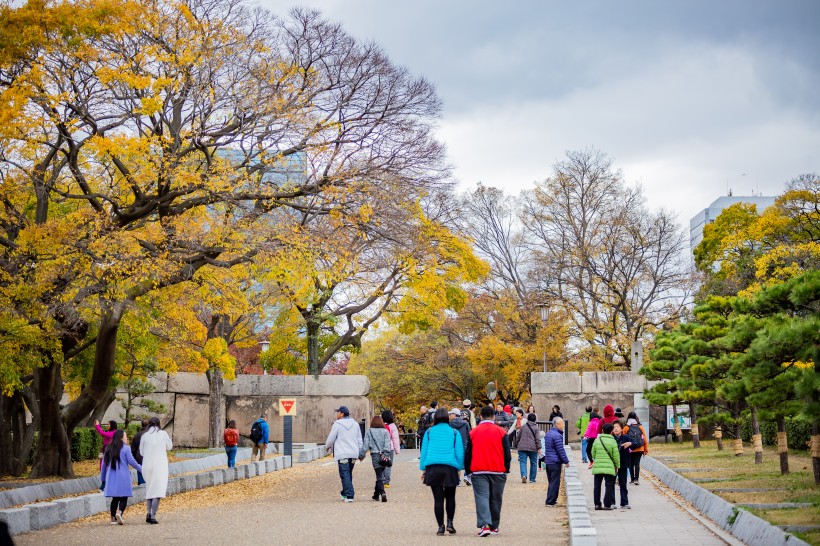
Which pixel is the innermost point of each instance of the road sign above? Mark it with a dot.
(287, 406)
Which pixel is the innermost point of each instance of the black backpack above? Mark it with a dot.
(635, 436)
(426, 421)
(256, 432)
(465, 416)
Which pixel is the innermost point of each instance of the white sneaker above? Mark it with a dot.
(348, 500)
(120, 521)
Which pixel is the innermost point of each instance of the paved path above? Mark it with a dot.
(301, 506)
(654, 518)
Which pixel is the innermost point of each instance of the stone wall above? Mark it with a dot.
(185, 396)
(573, 391)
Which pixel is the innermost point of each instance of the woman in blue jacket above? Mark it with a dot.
(442, 456)
(115, 476)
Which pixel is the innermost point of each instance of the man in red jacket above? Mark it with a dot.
(488, 460)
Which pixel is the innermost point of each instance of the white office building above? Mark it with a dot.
(708, 215)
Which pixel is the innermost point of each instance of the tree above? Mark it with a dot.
(616, 267)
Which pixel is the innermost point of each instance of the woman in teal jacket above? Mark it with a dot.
(442, 456)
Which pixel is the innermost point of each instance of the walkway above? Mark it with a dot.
(301, 505)
(654, 518)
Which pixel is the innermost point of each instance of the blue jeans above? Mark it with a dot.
(346, 474)
(532, 457)
(488, 491)
(584, 450)
(554, 480)
(231, 453)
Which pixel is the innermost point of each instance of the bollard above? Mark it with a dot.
(288, 429)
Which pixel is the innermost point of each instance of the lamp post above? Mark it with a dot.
(545, 314)
(264, 345)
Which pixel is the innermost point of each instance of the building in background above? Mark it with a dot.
(708, 215)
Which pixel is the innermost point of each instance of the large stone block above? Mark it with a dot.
(337, 385)
(187, 483)
(190, 420)
(219, 476)
(206, 479)
(138, 496)
(229, 475)
(612, 382)
(250, 469)
(270, 465)
(95, 503)
(280, 385)
(17, 519)
(44, 515)
(173, 486)
(555, 382)
(70, 509)
(188, 383)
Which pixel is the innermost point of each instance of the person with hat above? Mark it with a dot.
(619, 413)
(467, 414)
(345, 439)
(529, 446)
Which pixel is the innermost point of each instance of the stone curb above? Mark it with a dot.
(743, 525)
(48, 514)
(581, 530)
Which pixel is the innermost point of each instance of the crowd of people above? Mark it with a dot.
(461, 446)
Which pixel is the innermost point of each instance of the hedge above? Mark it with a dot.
(798, 431)
(85, 443)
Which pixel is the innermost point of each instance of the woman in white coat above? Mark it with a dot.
(154, 447)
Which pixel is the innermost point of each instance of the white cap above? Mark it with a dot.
(455, 411)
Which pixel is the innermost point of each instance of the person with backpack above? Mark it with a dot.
(115, 475)
(591, 434)
(605, 460)
(623, 451)
(231, 437)
(259, 437)
(640, 445)
(581, 424)
(345, 439)
(377, 441)
(467, 414)
(395, 440)
(426, 421)
(529, 446)
(442, 456)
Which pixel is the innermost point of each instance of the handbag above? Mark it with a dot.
(384, 459)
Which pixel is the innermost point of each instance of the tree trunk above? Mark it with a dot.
(678, 430)
(719, 435)
(99, 411)
(757, 439)
(815, 450)
(313, 327)
(215, 419)
(738, 441)
(695, 431)
(9, 441)
(53, 455)
(782, 444)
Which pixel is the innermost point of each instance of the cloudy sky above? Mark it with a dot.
(687, 97)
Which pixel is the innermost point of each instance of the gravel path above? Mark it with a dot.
(301, 505)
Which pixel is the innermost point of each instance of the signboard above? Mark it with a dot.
(287, 406)
(683, 418)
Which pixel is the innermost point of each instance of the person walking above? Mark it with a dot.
(636, 452)
(488, 461)
(467, 414)
(135, 448)
(259, 437)
(345, 439)
(377, 441)
(591, 434)
(395, 440)
(605, 459)
(231, 437)
(609, 417)
(517, 423)
(459, 425)
(529, 447)
(107, 436)
(154, 447)
(581, 424)
(556, 412)
(116, 476)
(426, 420)
(554, 456)
(442, 456)
(623, 464)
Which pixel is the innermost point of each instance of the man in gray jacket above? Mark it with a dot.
(345, 439)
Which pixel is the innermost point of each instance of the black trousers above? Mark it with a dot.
(635, 465)
(554, 479)
(118, 502)
(379, 489)
(590, 441)
(444, 496)
(609, 492)
(622, 484)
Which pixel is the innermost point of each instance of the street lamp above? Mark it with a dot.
(265, 345)
(545, 314)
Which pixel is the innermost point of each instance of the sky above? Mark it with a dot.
(688, 98)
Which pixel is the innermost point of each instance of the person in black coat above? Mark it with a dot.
(556, 412)
(624, 444)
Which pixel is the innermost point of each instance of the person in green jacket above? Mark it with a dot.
(605, 458)
(581, 424)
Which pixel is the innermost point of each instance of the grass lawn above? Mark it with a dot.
(731, 472)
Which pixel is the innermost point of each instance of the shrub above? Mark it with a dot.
(798, 431)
